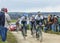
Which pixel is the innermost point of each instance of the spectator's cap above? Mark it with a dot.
(4, 9)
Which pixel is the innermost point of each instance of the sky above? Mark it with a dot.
(31, 5)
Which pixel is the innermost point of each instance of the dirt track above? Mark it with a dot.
(47, 38)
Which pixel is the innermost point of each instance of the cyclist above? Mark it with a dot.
(32, 22)
(24, 25)
(39, 19)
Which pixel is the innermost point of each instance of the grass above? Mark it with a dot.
(10, 38)
(51, 32)
(13, 20)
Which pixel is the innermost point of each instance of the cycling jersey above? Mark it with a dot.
(32, 20)
(23, 20)
(38, 19)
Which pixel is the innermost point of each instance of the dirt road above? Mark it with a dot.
(47, 38)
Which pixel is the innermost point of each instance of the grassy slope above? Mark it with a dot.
(58, 33)
(10, 39)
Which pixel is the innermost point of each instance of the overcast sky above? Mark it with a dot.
(31, 5)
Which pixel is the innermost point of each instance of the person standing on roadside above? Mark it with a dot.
(54, 25)
(7, 18)
(3, 27)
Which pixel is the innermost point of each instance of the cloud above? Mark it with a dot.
(51, 9)
(31, 5)
(45, 9)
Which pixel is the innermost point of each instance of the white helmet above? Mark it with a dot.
(33, 15)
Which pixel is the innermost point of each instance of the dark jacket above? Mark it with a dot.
(2, 18)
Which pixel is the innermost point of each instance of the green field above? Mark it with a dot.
(13, 20)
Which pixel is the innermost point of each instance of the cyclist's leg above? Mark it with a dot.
(37, 23)
(31, 28)
(25, 25)
(40, 34)
(22, 31)
(34, 26)
(26, 30)
(22, 28)
(37, 31)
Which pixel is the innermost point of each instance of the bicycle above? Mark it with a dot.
(24, 33)
(33, 31)
(39, 32)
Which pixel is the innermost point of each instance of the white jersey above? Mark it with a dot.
(32, 19)
(23, 18)
(41, 17)
(38, 18)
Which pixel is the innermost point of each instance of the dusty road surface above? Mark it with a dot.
(47, 38)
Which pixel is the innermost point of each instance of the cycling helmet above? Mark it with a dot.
(33, 15)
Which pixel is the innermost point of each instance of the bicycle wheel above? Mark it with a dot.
(33, 32)
(39, 34)
(24, 33)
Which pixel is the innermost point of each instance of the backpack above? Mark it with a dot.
(2, 18)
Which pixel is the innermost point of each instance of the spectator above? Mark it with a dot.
(54, 25)
(7, 18)
(3, 30)
(50, 20)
